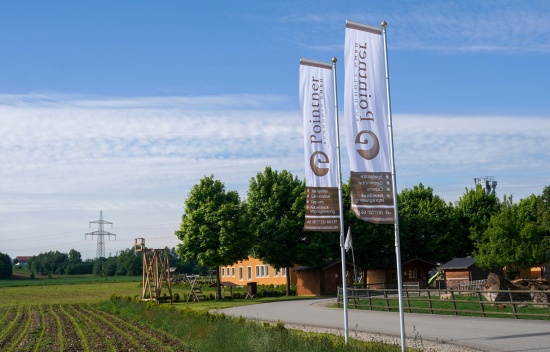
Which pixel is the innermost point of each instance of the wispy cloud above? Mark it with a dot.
(439, 26)
(64, 158)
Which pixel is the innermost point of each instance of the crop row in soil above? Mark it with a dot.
(76, 327)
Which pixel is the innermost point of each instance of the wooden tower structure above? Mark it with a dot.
(156, 272)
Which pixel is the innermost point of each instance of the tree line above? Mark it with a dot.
(125, 263)
(218, 228)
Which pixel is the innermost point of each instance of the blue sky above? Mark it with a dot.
(124, 106)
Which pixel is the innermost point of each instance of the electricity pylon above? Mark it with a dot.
(100, 233)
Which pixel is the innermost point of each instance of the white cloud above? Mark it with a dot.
(64, 158)
(442, 26)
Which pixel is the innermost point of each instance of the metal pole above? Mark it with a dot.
(397, 244)
(340, 203)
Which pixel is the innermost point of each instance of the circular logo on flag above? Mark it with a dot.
(316, 161)
(367, 144)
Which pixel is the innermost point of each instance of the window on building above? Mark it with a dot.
(262, 273)
(257, 271)
(283, 272)
(249, 273)
(233, 271)
(275, 272)
(412, 274)
(267, 271)
(240, 273)
(223, 271)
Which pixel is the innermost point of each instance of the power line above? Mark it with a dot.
(100, 233)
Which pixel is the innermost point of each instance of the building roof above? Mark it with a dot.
(23, 258)
(324, 266)
(410, 260)
(391, 262)
(459, 263)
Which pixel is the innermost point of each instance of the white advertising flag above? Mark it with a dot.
(318, 117)
(348, 244)
(366, 124)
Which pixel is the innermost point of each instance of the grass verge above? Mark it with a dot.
(203, 331)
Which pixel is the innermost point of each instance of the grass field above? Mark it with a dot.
(94, 314)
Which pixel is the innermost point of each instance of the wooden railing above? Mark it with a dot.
(513, 303)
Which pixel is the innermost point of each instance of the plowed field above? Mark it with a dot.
(76, 327)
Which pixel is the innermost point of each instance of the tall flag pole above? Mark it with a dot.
(396, 223)
(367, 116)
(341, 204)
(319, 108)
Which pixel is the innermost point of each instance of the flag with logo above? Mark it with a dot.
(366, 124)
(318, 117)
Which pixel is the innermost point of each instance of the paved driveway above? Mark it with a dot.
(487, 334)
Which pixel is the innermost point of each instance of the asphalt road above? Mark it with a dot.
(487, 334)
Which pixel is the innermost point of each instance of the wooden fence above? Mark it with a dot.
(472, 302)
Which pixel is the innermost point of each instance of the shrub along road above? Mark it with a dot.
(488, 334)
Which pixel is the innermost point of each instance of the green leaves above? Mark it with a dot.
(212, 230)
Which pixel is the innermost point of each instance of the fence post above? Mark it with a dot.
(454, 302)
(387, 301)
(408, 300)
(513, 304)
(369, 298)
(481, 305)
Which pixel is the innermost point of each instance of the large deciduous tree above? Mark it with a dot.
(474, 210)
(513, 238)
(428, 225)
(213, 230)
(276, 208)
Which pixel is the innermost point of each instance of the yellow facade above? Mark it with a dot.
(254, 270)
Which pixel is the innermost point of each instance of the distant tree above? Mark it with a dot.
(49, 263)
(99, 267)
(6, 268)
(74, 257)
(129, 263)
(474, 211)
(213, 231)
(427, 226)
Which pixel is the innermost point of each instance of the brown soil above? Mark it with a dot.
(77, 328)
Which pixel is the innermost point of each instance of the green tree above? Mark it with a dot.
(276, 208)
(474, 210)
(373, 245)
(129, 263)
(514, 237)
(6, 268)
(427, 225)
(212, 229)
(75, 257)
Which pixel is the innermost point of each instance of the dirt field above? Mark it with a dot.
(76, 327)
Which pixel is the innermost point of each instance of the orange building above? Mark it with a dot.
(254, 270)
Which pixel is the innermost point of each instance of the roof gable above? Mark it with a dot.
(459, 263)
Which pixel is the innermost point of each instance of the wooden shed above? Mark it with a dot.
(322, 280)
(415, 271)
(460, 271)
